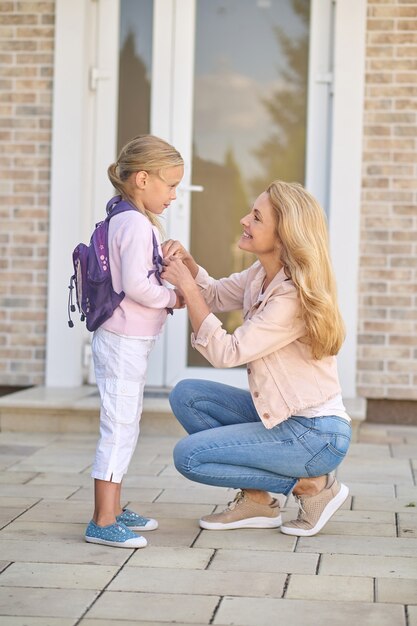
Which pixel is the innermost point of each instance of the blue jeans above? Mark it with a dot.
(229, 446)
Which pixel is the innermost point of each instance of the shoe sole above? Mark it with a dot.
(328, 511)
(139, 542)
(251, 522)
(152, 526)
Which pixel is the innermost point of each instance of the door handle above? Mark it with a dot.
(191, 188)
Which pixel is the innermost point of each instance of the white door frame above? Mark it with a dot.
(75, 188)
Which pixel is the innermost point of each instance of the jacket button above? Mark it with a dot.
(266, 416)
(256, 394)
(249, 370)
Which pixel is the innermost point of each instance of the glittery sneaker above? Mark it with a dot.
(315, 511)
(136, 522)
(244, 513)
(116, 535)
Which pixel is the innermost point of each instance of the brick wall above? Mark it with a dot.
(26, 58)
(387, 355)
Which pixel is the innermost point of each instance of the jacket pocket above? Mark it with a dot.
(121, 400)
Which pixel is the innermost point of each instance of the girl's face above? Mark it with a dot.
(259, 230)
(154, 193)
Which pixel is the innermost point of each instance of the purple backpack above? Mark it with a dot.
(95, 296)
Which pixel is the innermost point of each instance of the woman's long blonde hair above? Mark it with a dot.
(303, 236)
(145, 153)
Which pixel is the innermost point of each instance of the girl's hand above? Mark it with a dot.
(170, 247)
(175, 249)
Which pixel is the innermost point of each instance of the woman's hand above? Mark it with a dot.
(174, 249)
(180, 303)
(178, 274)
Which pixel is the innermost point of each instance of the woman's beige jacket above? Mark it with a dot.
(283, 377)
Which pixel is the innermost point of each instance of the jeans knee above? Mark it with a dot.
(180, 457)
(180, 394)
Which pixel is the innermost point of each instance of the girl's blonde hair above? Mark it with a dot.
(145, 153)
(302, 232)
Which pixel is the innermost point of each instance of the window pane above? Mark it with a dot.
(134, 69)
(250, 103)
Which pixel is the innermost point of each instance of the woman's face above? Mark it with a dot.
(259, 234)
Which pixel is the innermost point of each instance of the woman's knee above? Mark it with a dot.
(180, 394)
(181, 456)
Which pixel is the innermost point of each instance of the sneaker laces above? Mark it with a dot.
(301, 510)
(234, 503)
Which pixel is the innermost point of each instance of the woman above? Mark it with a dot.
(290, 430)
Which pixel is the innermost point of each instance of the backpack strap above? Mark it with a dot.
(115, 206)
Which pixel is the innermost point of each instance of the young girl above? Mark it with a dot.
(146, 174)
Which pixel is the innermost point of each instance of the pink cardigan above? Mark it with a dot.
(142, 312)
(283, 376)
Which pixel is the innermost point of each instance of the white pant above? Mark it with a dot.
(120, 367)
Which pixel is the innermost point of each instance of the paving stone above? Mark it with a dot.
(8, 515)
(376, 470)
(335, 527)
(198, 582)
(10, 501)
(407, 491)
(371, 517)
(249, 612)
(53, 478)
(407, 524)
(54, 575)
(45, 602)
(158, 482)
(27, 439)
(330, 588)
(247, 539)
(264, 561)
(67, 511)
(170, 509)
(16, 478)
(154, 606)
(43, 531)
(60, 492)
(206, 495)
(143, 469)
(110, 622)
(168, 557)
(412, 615)
(369, 451)
(174, 533)
(358, 545)
(142, 495)
(374, 566)
(398, 590)
(11, 620)
(371, 489)
(404, 451)
(23, 550)
(383, 504)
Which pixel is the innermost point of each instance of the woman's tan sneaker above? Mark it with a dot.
(244, 513)
(315, 511)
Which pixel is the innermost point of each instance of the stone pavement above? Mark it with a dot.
(361, 569)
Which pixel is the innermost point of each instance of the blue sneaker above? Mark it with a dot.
(116, 535)
(136, 522)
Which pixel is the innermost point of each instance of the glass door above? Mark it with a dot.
(244, 81)
(242, 89)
